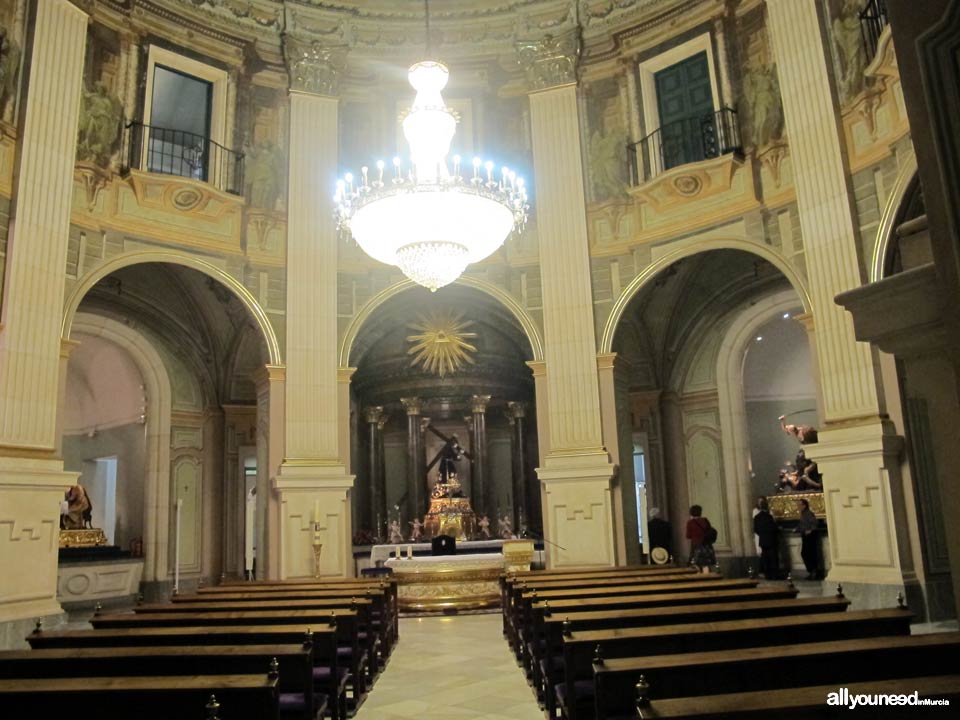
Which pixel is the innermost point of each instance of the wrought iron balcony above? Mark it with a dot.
(688, 140)
(873, 19)
(176, 152)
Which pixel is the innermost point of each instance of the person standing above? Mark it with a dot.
(659, 531)
(765, 528)
(807, 527)
(701, 536)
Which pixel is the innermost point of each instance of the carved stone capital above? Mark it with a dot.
(373, 414)
(314, 67)
(516, 409)
(478, 403)
(413, 406)
(551, 60)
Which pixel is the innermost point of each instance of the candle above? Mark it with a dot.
(316, 510)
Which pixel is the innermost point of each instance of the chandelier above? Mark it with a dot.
(431, 220)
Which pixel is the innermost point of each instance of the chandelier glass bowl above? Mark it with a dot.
(430, 221)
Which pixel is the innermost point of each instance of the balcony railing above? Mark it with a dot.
(685, 141)
(176, 152)
(873, 19)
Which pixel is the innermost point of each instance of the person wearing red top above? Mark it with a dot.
(701, 551)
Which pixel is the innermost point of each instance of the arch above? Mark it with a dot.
(733, 415)
(888, 221)
(173, 257)
(523, 317)
(695, 248)
(156, 506)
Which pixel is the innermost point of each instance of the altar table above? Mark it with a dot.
(457, 582)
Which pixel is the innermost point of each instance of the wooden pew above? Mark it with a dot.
(240, 697)
(292, 665)
(804, 703)
(351, 585)
(513, 594)
(368, 640)
(838, 662)
(580, 648)
(527, 616)
(350, 653)
(537, 652)
(330, 678)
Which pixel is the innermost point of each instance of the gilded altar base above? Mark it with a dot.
(89, 537)
(787, 505)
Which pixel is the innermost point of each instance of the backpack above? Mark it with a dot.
(709, 535)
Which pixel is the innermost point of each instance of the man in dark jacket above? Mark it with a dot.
(659, 531)
(766, 530)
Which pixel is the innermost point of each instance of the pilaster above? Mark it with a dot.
(32, 480)
(857, 453)
(576, 470)
(313, 485)
(271, 401)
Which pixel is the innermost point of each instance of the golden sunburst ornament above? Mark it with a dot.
(440, 344)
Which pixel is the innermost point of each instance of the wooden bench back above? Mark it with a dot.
(783, 666)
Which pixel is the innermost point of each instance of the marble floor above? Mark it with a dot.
(447, 668)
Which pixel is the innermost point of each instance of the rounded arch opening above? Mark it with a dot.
(701, 246)
(523, 318)
(256, 312)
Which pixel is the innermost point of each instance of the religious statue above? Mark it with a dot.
(450, 455)
(395, 535)
(417, 532)
(265, 168)
(806, 434)
(804, 477)
(101, 113)
(848, 40)
(484, 524)
(761, 91)
(79, 511)
(506, 528)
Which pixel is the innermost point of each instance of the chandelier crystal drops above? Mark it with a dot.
(429, 220)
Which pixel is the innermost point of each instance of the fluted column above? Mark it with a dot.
(516, 416)
(486, 489)
(32, 480)
(314, 484)
(857, 452)
(577, 469)
(416, 494)
(270, 428)
(378, 491)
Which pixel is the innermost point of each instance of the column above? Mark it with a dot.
(271, 399)
(516, 416)
(416, 494)
(314, 486)
(857, 452)
(32, 480)
(577, 470)
(378, 491)
(486, 489)
(382, 470)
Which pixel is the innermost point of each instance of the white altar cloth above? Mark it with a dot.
(382, 552)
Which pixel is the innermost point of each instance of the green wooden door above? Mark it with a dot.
(685, 103)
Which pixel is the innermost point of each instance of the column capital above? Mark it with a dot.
(314, 67)
(516, 409)
(413, 405)
(373, 414)
(345, 374)
(67, 347)
(539, 367)
(552, 60)
(478, 403)
(806, 319)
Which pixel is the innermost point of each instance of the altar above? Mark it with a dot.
(457, 582)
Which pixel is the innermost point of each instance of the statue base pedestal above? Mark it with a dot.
(450, 516)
